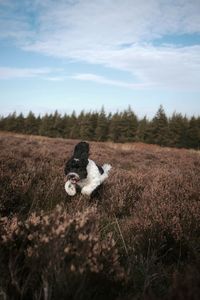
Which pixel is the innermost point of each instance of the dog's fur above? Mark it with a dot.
(83, 172)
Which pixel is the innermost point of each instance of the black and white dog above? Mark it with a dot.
(82, 173)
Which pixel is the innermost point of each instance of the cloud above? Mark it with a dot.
(118, 34)
(14, 24)
(56, 78)
(17, 73)
(86, 24)
(61, 28)
(161, 67)
(103, 80)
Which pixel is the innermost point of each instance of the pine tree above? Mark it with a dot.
(101, 131)
(143, 125)
(74, 126)
(129, 124)
(158, 132)
(65, 126)
(2, 123)
(56, 129)
(20, 123)
(88, 126)
(31, 124)
(115, 128)
(178, 131)
(46, 125)
(11, 122)
(93, 119)
(193, 133)
(84, 125)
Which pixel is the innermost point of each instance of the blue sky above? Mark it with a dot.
(85, 54)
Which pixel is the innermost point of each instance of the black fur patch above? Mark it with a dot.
(101, 171)
(79, 161)
(81, 150)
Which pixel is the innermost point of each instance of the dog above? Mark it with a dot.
(83, 174)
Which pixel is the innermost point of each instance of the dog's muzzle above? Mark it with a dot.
(73, 177)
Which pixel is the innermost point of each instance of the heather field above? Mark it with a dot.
(140, 239)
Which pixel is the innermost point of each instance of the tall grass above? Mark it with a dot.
(139, 240)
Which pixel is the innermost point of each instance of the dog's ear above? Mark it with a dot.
(67, 167)
(82, 150)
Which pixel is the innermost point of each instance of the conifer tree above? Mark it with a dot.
(65, 126)
(193, 133)
(101, 131)
(84, 125)
(2, 123)
(11, 123)
(31, 124)
(158, 132)
(20, 123)
(115, 128)
(178, 131)
(129, 124)
(46, 125)
(57, 125)
(88, 126)
(93, 119)
(143, 125)
(74, 126)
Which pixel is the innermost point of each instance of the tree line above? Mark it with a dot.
(174, 131)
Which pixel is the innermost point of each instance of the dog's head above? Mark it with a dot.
(76, 167)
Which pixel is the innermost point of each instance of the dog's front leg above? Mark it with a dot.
(89, 188)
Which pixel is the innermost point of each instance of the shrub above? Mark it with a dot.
(51, 252)
(150, 204)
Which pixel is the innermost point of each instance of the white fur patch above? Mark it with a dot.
(91, 182)
(94, 177)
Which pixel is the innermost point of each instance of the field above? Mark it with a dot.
(140, 239)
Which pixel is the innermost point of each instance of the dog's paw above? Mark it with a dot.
(86, 190)
(70, 188)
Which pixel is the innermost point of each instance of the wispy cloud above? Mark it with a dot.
(11, 73)
(14, 23)
(112, 23)
(106, 81)
(161, 67)
(116, 34)
(86, 24)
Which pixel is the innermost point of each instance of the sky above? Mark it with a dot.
(84, 54)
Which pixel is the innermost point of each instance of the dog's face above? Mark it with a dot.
(76, 167)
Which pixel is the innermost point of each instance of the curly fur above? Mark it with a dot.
(84, 172)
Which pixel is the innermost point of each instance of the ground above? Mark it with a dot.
(139, 239)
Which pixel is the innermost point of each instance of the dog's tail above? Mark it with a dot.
(106, 168)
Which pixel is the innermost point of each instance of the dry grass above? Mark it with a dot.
(139, 240)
